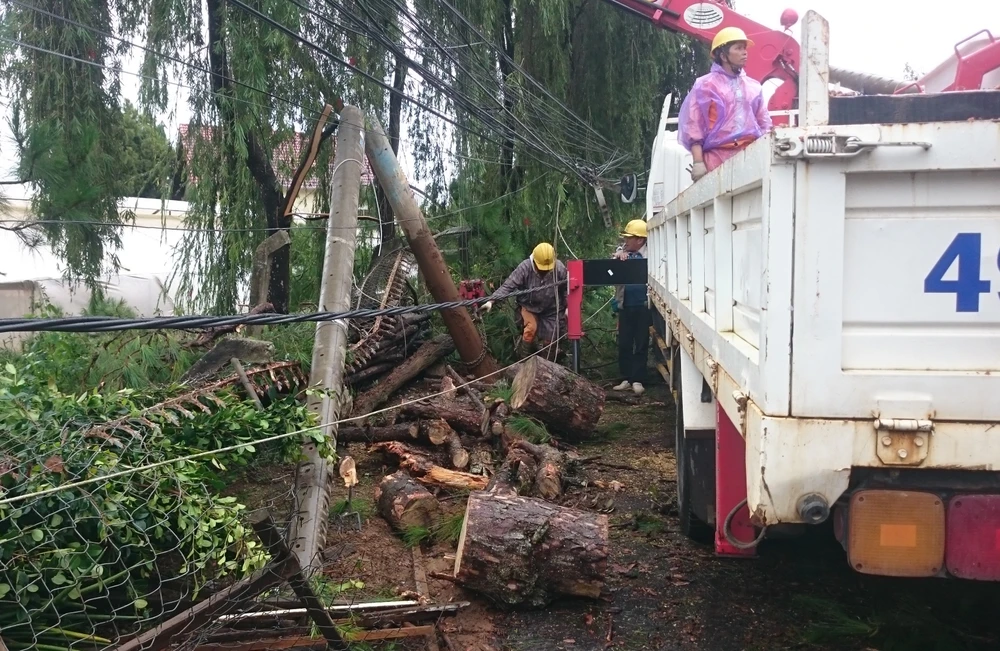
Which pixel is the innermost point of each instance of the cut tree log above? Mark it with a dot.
(549, 475)
(404, 503)
(426, 355)
(523, 551)
(423, 469)
(397, 432)
(436, 430)
(439, 432)
(516, 473)
(564, 401)
(459, 418)
(534, 470)
(459, 455)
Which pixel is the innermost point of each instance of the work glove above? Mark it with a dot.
(698, 170)
(488, 305)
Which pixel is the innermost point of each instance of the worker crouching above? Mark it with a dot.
(725, 110)
(541, 314)
(634, 317)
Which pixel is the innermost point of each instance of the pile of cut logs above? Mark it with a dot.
(519, 544)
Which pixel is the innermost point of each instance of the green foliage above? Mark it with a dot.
(530, 428)
(415, 535)
(149, 161)
(448, 528)
(501, 390)
(365, 508)
(113, 361)
(99, 551)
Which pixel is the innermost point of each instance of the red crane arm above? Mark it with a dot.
(775, 54)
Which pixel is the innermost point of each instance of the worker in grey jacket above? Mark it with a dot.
(541, 315)
(634, 317)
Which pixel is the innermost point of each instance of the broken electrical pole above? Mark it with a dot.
(432, 265)
(307, 532)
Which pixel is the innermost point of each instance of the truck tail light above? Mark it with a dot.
(896, 533)
(974, 537)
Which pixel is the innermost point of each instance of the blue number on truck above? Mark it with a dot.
(967, 249)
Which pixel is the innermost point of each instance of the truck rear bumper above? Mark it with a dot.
(790, 459)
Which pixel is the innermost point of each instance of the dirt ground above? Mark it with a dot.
(663, 591)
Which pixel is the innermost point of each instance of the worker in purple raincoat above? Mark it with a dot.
(725, 110)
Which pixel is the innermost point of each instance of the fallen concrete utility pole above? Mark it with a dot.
(307, 533)
(435, 272)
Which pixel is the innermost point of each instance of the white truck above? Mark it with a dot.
(830, 301)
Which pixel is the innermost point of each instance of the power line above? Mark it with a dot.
(116, 324)
(163, 55)
(439, 83)
(104, 66)
(355, 69)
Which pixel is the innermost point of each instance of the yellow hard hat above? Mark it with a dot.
(635, 228)
(727, 35)
(544, 256)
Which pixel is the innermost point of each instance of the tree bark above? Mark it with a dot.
(564, 401)
(258, 161)
(522, 551)
(460, 419)
(397, 432)
(439, 432)
(549, 476)
(404, 503)
(423, 468)
(426, 355)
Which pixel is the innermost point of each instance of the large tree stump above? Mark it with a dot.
(404, 503)
(522, 551)
(426, 355)
(423, 468)
(564, 401)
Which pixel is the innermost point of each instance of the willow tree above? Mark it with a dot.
(254, 75)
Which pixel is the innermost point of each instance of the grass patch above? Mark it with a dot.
(364, 507)
(648, 523)
(611, 431)
(449, 528)
(416, 536)
(529, 428)
(501, 390)
(903, 625)
(830, 623)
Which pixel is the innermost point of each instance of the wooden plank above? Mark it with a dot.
(420, 579)
(391, 633)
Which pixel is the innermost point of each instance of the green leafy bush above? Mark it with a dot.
(149, 532)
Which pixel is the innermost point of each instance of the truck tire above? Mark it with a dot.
(690, 524)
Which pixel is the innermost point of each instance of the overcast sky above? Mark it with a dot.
(874, 36)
